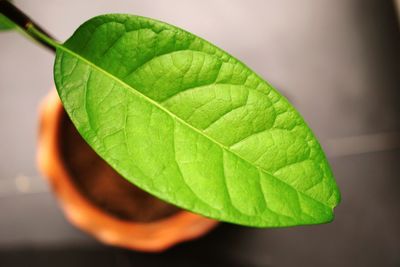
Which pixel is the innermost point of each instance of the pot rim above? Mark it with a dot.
(145, 236)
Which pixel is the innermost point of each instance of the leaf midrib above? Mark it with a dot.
(158, 105)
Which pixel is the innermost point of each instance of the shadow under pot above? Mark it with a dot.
(97, 200)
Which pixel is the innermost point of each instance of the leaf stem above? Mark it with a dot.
(27, 25)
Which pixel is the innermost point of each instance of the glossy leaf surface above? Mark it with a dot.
(192, 125)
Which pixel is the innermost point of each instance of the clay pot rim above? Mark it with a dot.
(145, 236)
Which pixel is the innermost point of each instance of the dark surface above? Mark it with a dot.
(337, 61)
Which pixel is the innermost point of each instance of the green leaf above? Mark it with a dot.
(187, 122)
(5, 23)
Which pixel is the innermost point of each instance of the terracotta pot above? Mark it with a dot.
(97, 200)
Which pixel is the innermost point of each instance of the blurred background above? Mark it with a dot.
(336, 61)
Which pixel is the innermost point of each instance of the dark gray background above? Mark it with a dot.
(337, 61)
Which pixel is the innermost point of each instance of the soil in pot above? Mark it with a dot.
(103, 186)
